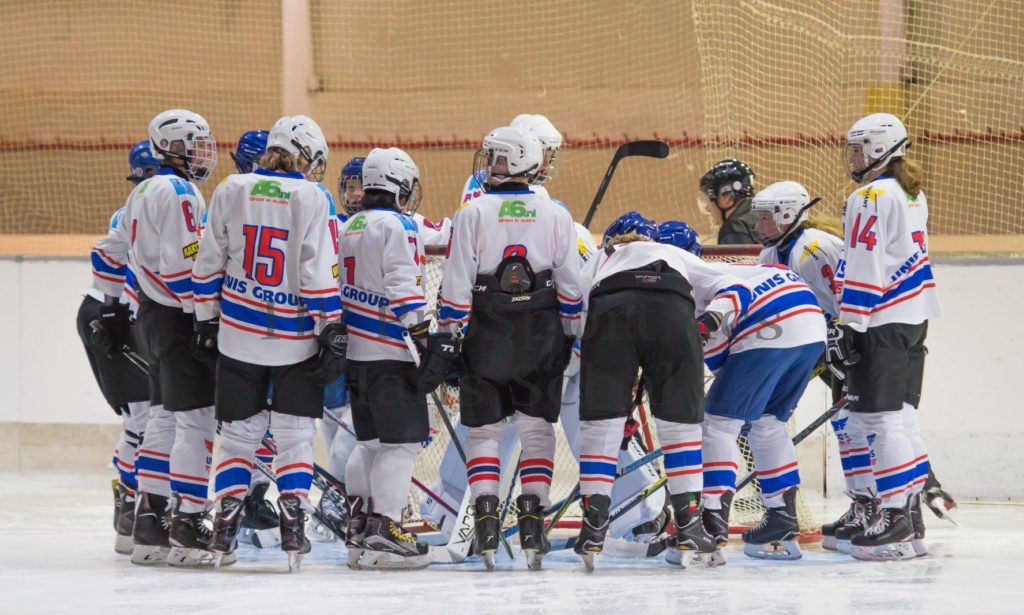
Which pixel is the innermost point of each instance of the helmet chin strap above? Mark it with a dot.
(792, 227)
(858, 176)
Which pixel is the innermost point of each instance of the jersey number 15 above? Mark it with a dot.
(264, 261)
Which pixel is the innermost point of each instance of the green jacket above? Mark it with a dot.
(739, 227)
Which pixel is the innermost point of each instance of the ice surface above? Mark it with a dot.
(56, 556)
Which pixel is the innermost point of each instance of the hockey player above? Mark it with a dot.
(380, 260)
(250, 148)
(513, 277)
(266, 273)
(640, 314)
(729, 186)
(350, 187)
(761, 369)
(124, 387)
(888, 296)
(161, 224)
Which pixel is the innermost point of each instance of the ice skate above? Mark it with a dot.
(331, 519)
(486, 533)
(917, 522)
(716, 522)
(124, 518)
(387, 545)
(226, 529)
(260, 520)
(149, 534)
(776, 536)
(828, 530)
(355, 531)
(293, 530)
(864, 507)
(889, 536)
(594, 529)
(190, 539)
(532, 539)
(692, 546)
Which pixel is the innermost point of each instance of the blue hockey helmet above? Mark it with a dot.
(251, 147)
(632, 222)
(353, 169)
(680, 235)
(141, 162)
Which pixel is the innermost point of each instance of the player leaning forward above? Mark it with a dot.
(888, 296)
(265, 285)
(513, 276)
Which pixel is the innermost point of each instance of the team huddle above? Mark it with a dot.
(267, 311)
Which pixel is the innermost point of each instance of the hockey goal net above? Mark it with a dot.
(746, 507)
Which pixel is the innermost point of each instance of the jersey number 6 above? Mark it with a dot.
(259, 243)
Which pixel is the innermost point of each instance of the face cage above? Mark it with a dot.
(412, 198)
(350, 208)
(855, 160)
(549, 169)
(767, 227)
(201, 157)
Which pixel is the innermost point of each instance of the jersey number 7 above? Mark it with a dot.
(259, 244)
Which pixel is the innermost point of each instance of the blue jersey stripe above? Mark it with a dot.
(782, 303)
(241, 313)
(372, 325)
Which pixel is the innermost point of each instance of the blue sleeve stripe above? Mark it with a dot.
(451, 313)
(208, 288)
(403, 309)
(98, 264)
(241, 313)
(742, 296)
(868, 299)
(180, 287)
(330, 303)
(570, 308)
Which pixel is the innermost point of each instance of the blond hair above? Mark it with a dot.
(278, 159)
(625, 238)
(826, 224)
(909, 174)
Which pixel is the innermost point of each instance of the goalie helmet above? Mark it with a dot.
(871, 142)
(730, 175)
(508, 155)
(681, 235)
(251, 147)
(550, 141)
(392, 170)
(350, 185)
(301, 137)
(183, 135)
(780, 208)
(141, 162)
(631, 222)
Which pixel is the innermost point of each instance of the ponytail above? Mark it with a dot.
(277, 159)
(909, 174)
(826, 224)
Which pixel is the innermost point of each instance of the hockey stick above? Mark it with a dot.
(574, 494)
(650, 149)
(800, 437)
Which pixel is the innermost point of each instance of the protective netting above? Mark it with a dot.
(774, 82)
(746, 509)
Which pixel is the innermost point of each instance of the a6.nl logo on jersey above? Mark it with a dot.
(516, 211)
(270, 190)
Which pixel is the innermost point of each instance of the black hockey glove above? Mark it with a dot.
(204, 340)
(331, 362)
(708, 323)
(112, 330)
(419, 333)
(839, 350)
(443, 350)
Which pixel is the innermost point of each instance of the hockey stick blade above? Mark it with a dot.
(650, 149)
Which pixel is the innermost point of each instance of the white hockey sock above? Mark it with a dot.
(720, 453)
(681, 446)
(569, 415)
(390, 478)
(483, 466)
(329, 428)
(152, 465)
(293, 463)
(913, 431)
(537, 466)
(774, 459)
(894, 457)
(239, 441)
(854, 454)
(342, 445)
(357, 470)
(190, 456)
(599, 448)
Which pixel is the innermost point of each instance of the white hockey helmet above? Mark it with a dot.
(185, 136)
(301, 137)
(508, 155)
(780, 208)
(392, 170)
(550, 140)
(871, 142)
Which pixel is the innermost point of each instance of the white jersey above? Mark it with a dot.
(499, 225)
(814, 256)
(112, 275)
(161, 224)
(433, 233)
(714, 290)
(381, 260)
(267, 267)
(885, 274)
(783, 313)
